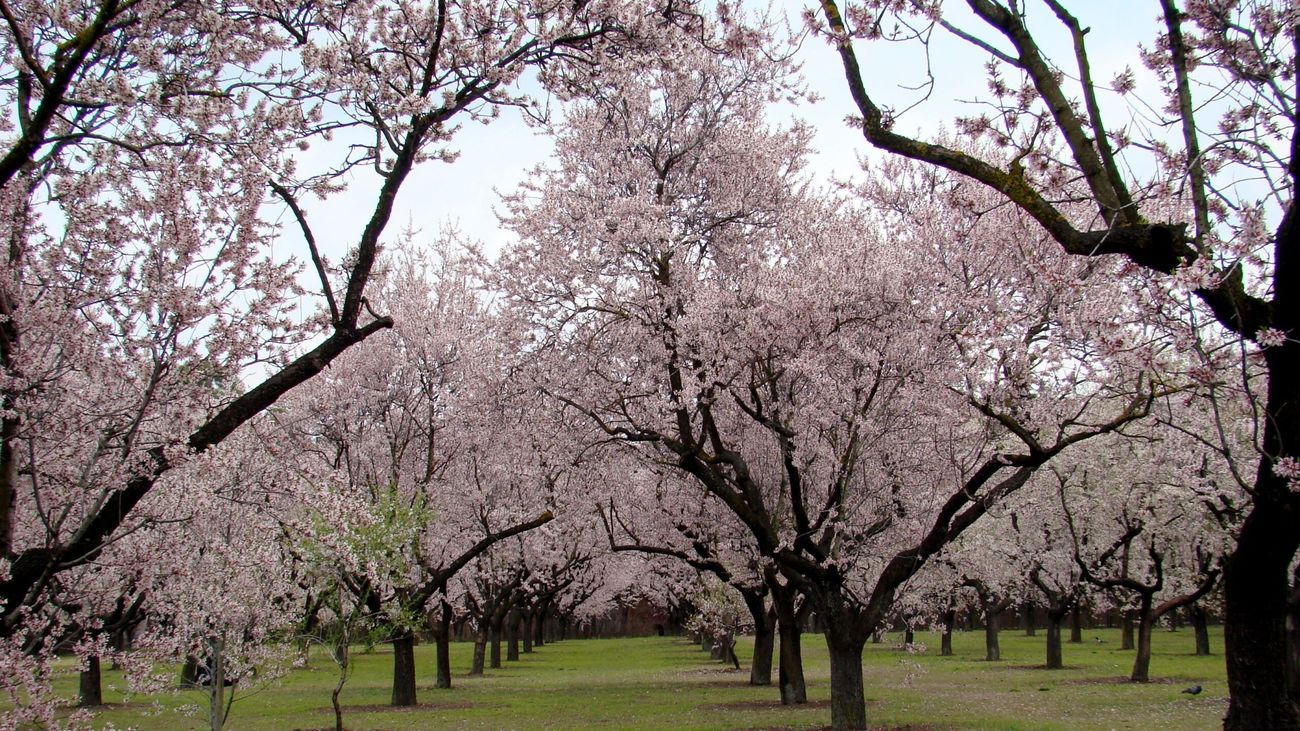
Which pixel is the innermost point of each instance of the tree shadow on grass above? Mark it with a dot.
(384, 707)
(904, 727)
(766, 705)
(1124, 680)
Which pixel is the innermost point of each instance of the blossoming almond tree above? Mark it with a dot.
(403, 475)
(685, 292)
(141, 146)
(658, 513)
(1226, 74)
(221, 584)
(138, 157)
(1143, 533)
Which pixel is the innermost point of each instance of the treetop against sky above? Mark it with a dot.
(495, 158)
(825, 361)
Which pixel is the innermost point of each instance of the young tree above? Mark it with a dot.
(340, 620)
(1048, 114)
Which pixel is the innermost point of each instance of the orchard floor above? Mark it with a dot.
(666, 683)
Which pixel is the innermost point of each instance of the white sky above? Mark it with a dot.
(498, 156)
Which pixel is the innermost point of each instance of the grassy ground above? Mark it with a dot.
(665, 683)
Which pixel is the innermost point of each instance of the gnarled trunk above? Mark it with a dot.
(480, 650)
(512, 636)
(790, 670)
(1076, 625)
(1255, 588)
(189, 672)
(1142, 663)
(845, 638)
(729, 651)
(216, 684)
(442, 636)
(90, 688)
(494, 644)
(1200, 628)
(765, 643)
(992, 650)
(1055, 658)
(1126, 633)
(945, 641)
(992, 607)
(539, 626)
(789, 624)
(719, 648)
(760, 666)
(404, 669)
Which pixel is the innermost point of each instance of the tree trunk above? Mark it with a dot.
(992, 650)
(1076, 625)
(189, 672)
(1200, 627)
(1027, 617)
(729, 651)
(760, 666)
(217, 684)
(1126, 633)
(494, 645)
(1255, 587)
(526, 631)
(790, 671)
(539, 626)
(1293, 635)
(404, 669)
(848, 704)
(480, 650)
(512, 636)
(341, 656)
(1142, 663)
(90, 690)
(1055, 659)
(442, 636)
(945, 642)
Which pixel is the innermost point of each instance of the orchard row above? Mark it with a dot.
(1046, 355)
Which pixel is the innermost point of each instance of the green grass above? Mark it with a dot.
(666, 683)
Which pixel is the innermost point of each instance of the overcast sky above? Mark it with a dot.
(496, 157)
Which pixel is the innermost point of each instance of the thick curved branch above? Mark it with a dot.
(1162, 247)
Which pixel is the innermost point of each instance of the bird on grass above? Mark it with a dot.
(1194, 690)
